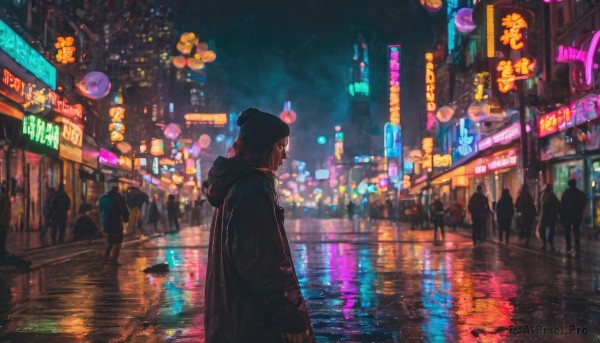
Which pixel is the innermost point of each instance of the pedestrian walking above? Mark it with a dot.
(479, 208)
(153, 213)
(252, 291)
(59, 208)
(505, 211)
(549, 211)
(136, 199)
(5, 213)
(572, 205)
(173, 213)
(50, 193)
(437, 217)
(526, 213)
(83, 227)
(351, 206)
(113, 212)
(457, 214)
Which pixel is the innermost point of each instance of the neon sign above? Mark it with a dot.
(392, 141)
(427, 146)
(157, 147)
(36, 99)
(430, 90)
(72, 133)
(65, 50)
(442, 160)
(513, 36)
(579, 112)
(26, 56)
(217, 119)
(41, 132)
(504, 136)
(508, 73)
(116, 126)
(490, 34)
(361, 88)
(452, 5)
(108, 158)
(586, 57)
(394, 54)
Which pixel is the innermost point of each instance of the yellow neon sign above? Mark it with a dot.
(491, 46)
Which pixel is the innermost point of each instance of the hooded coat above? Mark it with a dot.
(252, 291)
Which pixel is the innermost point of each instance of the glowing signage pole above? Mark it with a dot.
(394, 85)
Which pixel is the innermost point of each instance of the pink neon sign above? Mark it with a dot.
(571, 54)
(108, 158)
(579, 112)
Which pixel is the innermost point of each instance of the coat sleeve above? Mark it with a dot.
(258, 252)
(124, 210)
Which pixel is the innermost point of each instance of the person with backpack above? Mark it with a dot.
(572, 205)
(479, 208)
(59, 207)
(505, 211)
(549, 211)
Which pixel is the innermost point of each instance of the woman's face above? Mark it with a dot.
(278, 154)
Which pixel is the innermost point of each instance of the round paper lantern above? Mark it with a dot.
(287, 115)
(94, 85)
(172, 131)
(478, 111)
(445, 113)
(195, 64)
(204, 141)
(179, 62)
(208, 56)
(124, 147)
(431, 5)
(201, 47)
(464, 20)
(184, 48)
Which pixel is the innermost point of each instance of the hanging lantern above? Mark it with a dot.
(195, 64)
(201, 47)
(464, 20)
(94, 85)
(445, 113)
(179, 62)
(431, 5)
(204, 141)
(478, 111)
(207, 56)
(288, 115)
(172, 131)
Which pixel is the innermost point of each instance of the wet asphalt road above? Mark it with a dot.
(364, 282)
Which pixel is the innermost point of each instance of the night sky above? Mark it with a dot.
(270, 51)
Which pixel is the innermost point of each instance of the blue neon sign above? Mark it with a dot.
(26, 56)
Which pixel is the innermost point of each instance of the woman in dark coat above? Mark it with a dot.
(153, 212)
(504, 213)
(526, 213)
(252, 291)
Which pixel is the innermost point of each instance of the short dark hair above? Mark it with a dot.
(479, 188)
(572, 183)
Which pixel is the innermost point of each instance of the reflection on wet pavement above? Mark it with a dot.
(367, 282)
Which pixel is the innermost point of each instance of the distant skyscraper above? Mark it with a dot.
(358, 140)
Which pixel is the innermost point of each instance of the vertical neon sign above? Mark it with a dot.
(491, 44)
(430, 90)
(452, 6)
(394, 55)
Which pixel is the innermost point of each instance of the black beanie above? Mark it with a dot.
(259, 129)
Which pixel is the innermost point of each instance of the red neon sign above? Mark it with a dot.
(579, 112)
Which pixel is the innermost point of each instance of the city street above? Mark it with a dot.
(364, 282)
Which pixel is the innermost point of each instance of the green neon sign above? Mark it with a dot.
(42, 132)
(26, 56)
(361, 88)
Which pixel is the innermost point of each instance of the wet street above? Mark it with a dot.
(364, 282)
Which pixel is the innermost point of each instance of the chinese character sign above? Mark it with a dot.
(394, 55)
(509, 72)
(41, 132)
(579, 112)
(514, 31)
(465, 142)
(66, 50)
(116, 126)
(430, 90)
